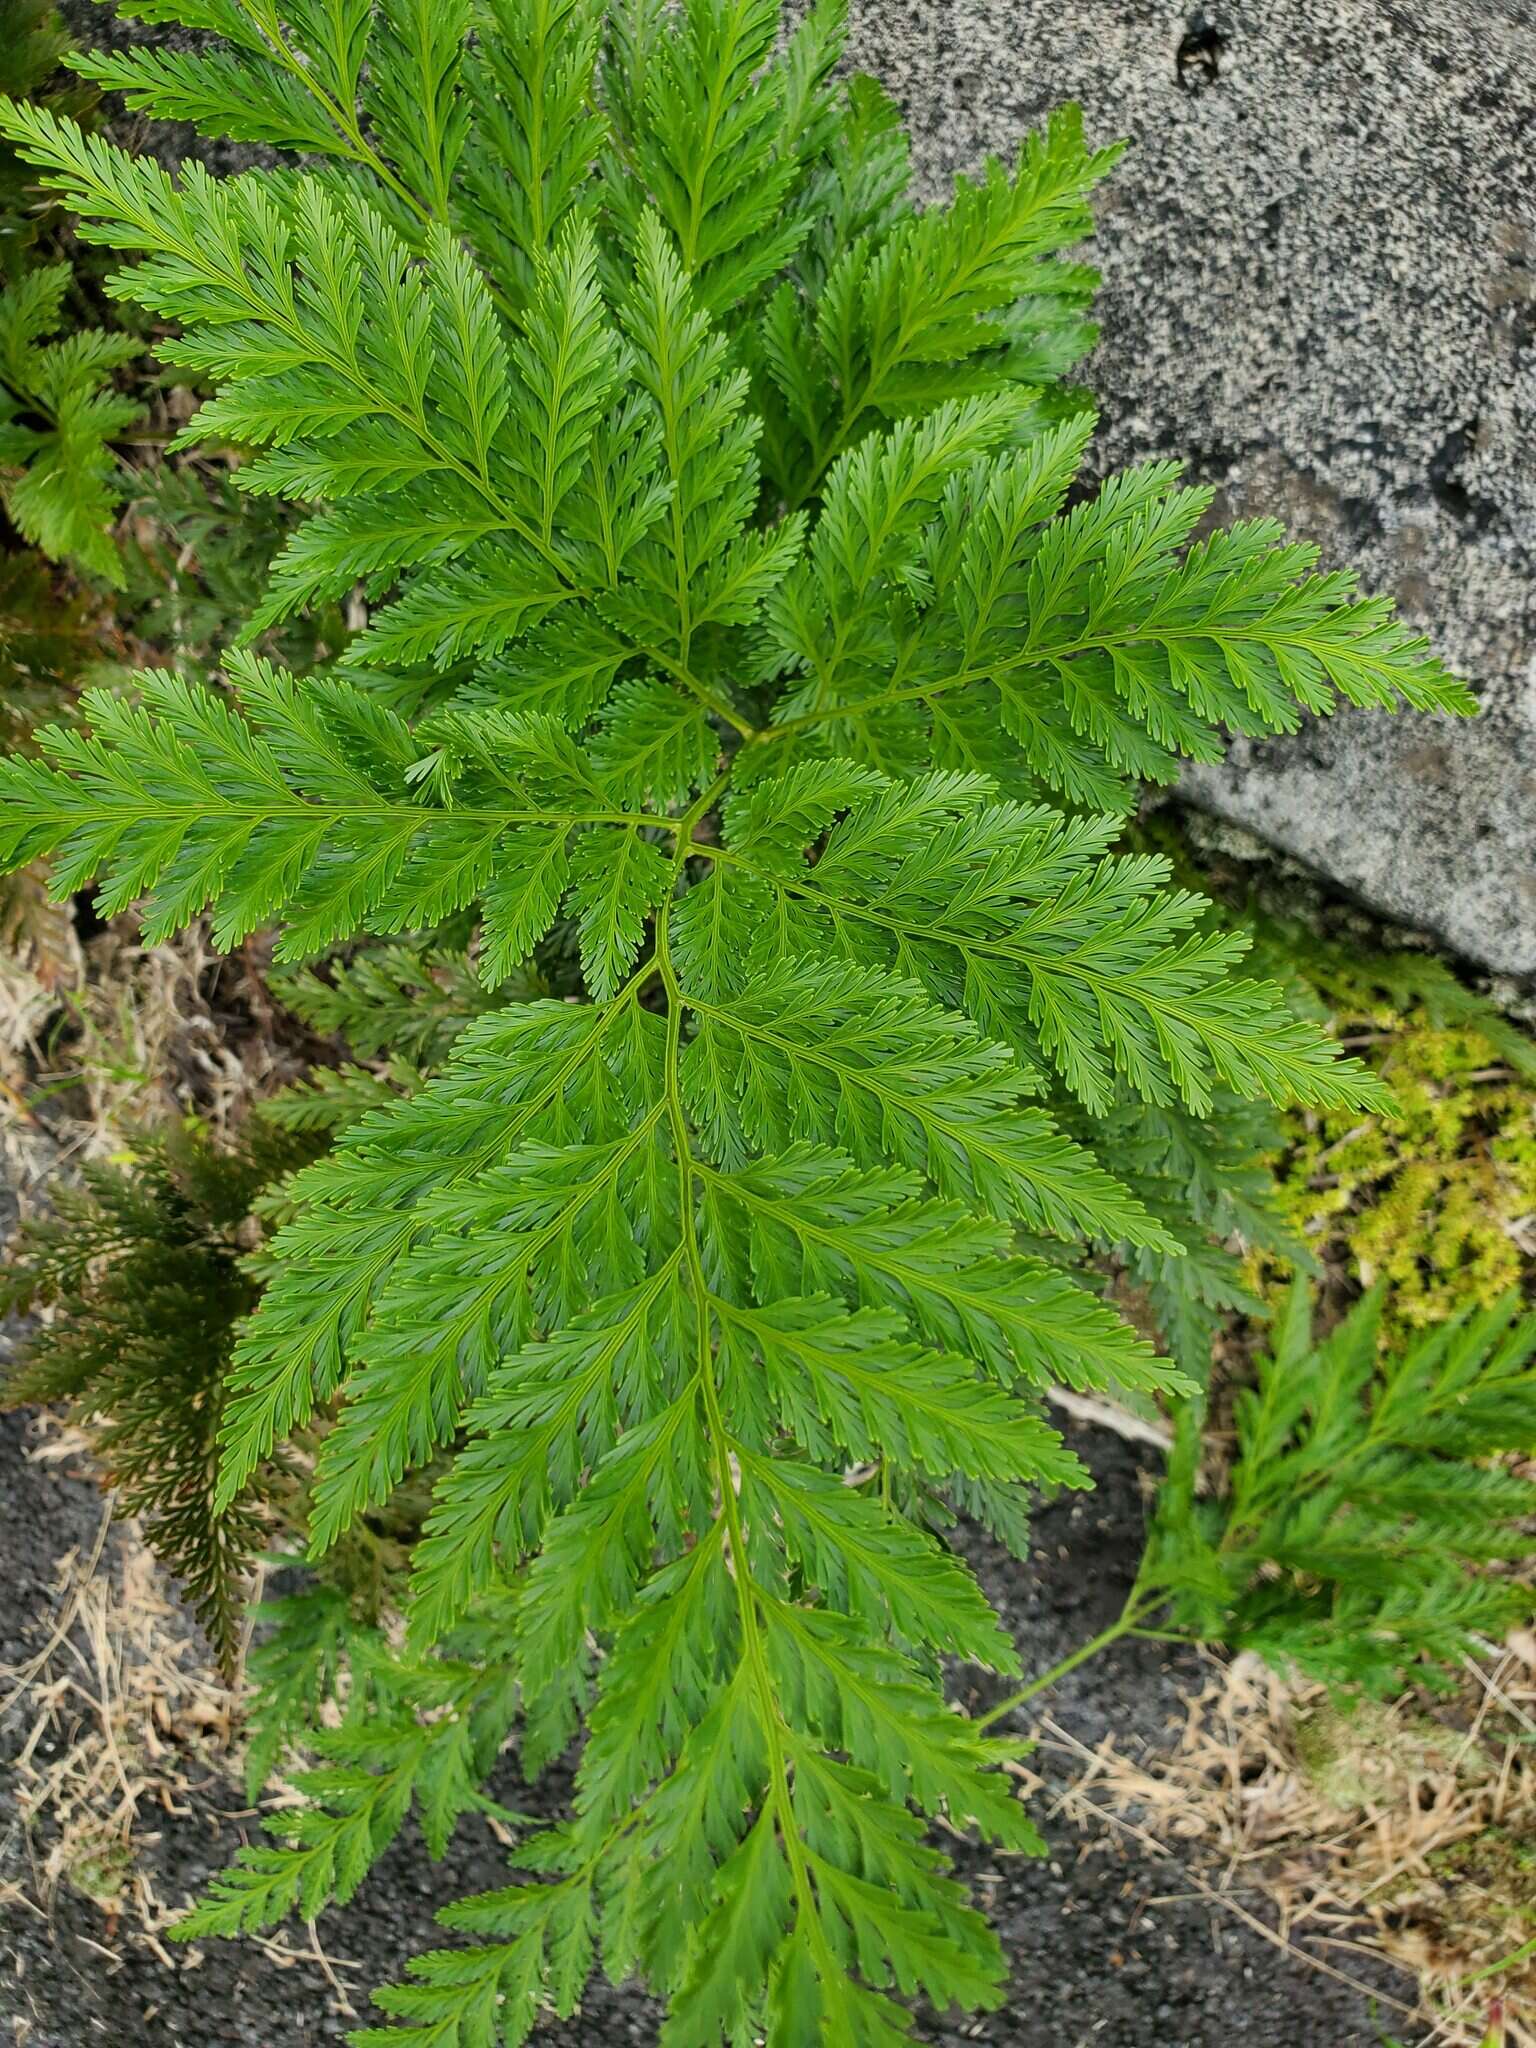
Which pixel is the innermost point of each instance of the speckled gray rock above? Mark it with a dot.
(1319, 289)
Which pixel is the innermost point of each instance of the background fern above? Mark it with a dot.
(140, 1270)
(59, 411)
(1368, 1524)
(30, 67)
(58, 417)
(727, 641)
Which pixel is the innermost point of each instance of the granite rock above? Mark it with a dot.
(1319, 259)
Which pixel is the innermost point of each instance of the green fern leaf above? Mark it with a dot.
(1367, 1502)
(59, 479)
(716, 523)
(535, 131)
(246, 99)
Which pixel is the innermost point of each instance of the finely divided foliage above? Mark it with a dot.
(1367, 1498)
(58, 415)
(727, 627)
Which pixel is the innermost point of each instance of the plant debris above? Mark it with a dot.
(1403, 1831)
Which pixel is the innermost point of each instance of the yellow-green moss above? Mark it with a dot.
(1441, 1199)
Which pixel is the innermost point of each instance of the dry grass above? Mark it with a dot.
(1405, 1833)
(122, 1037)
(126, 1725)
(125, 1722)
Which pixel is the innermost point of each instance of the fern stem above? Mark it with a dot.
(682, 673)
(1124, 1625)
(725, 1478)
(746, 1603)
(1035, 657)
(822, 459)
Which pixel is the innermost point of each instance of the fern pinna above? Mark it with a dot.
(727, 627)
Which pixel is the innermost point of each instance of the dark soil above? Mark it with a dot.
(1109, 1944)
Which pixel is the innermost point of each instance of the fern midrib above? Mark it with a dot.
(534, 132)
(871, 568)
(719, 87)
(558, 386)
(898, 1105)
(347, 126)
(28, 396)
(563, 1419)
(841, 1365)
(769, 1713)
(356, 145)
(1252, 1506)
(511, 521)
(666, 379)
(939, 1281)
(273, 313)
(879, 369)
(747, 1593)
(436, 153)
(1033, 657)
(399, 814)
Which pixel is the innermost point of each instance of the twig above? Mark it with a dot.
(1105, 1415)
(1495, 1692)
(344, 2005)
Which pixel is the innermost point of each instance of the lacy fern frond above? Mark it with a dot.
(35, 49)
(35, 45)
(1207, 1181)
(195, 555)
(60, 482)
(1368, 1500)
(707, 504)
(405, 998)
(416, 1735)
(59, 415)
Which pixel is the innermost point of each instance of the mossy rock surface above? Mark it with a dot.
(1440, 1201)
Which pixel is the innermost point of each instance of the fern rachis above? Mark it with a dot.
(708, 504)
